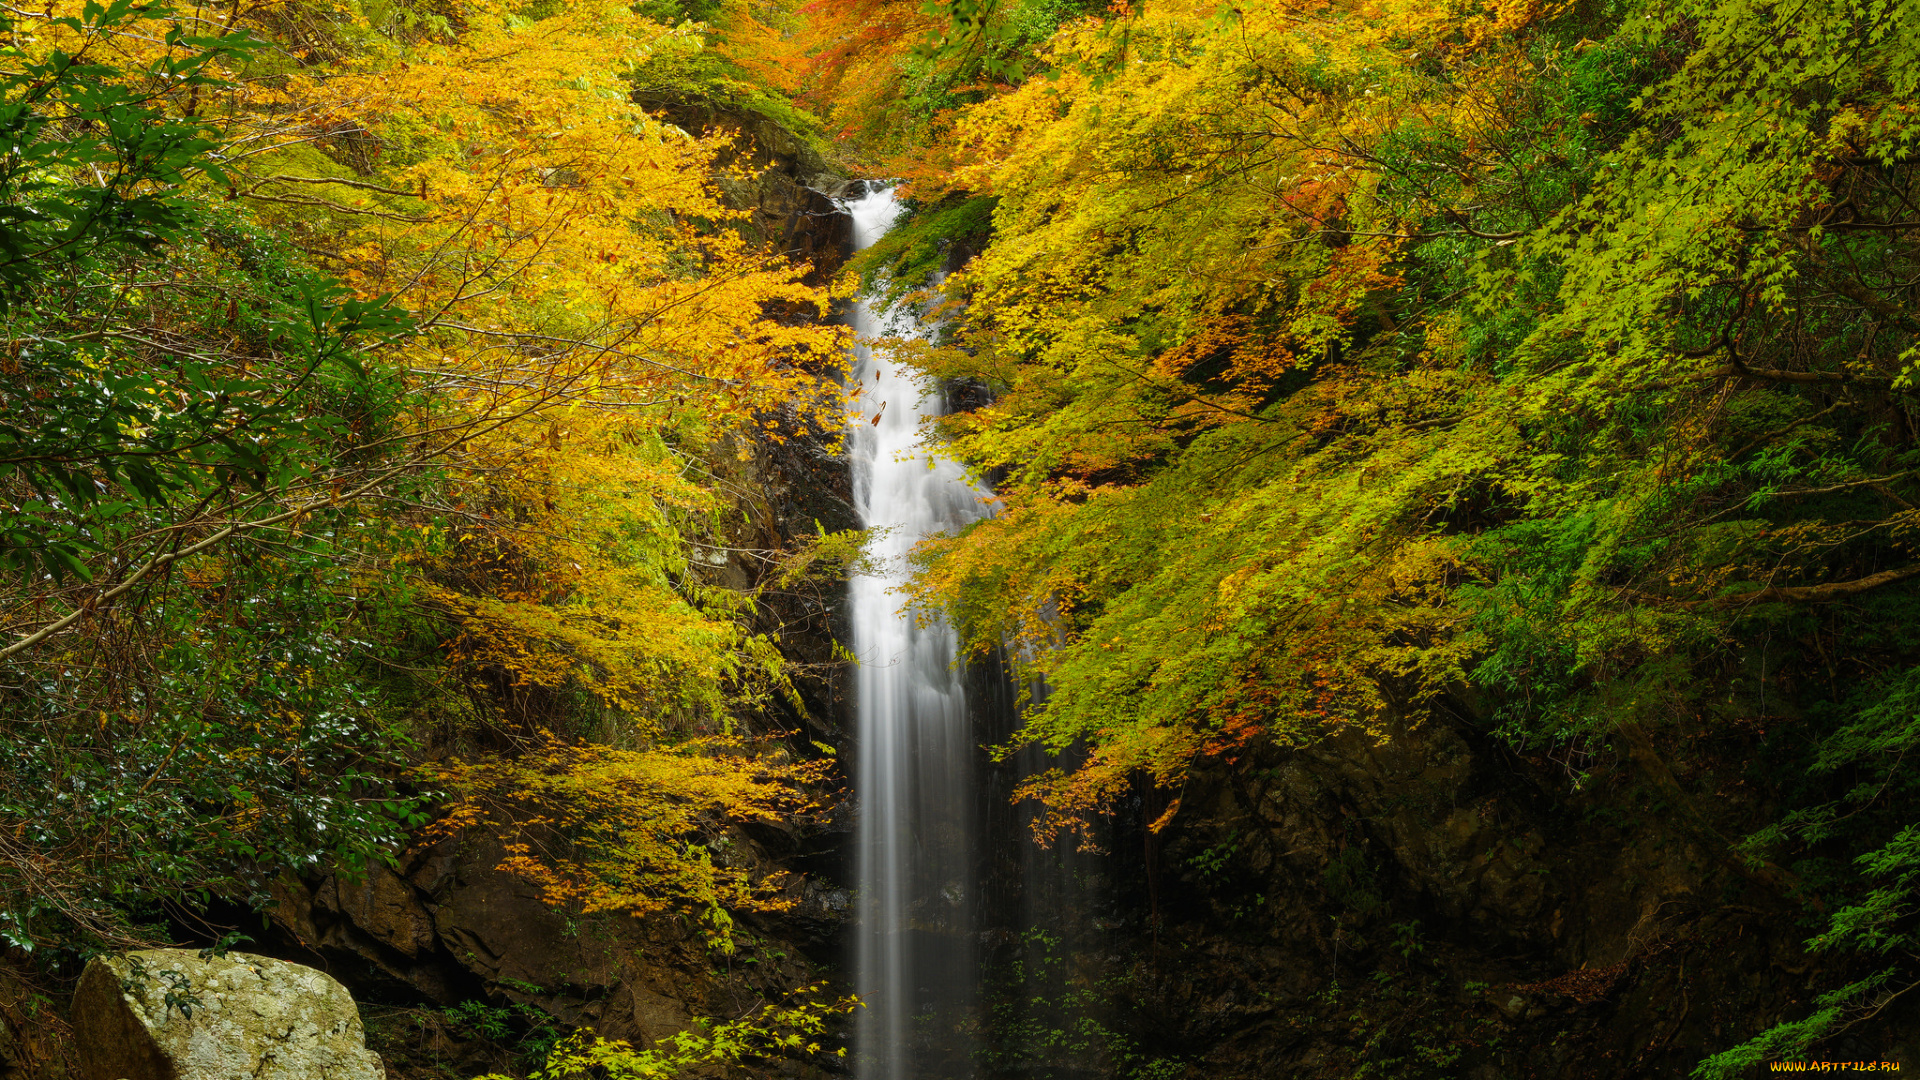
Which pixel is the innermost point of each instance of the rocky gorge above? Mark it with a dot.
(1325, 693)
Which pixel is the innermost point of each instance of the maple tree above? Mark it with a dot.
(351, 337)
(1535, 363)
(625, 830)
(1187, 266)
(891, 77)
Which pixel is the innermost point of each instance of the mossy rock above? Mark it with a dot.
(170, 1014)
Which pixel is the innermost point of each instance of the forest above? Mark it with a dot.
(1451, 595)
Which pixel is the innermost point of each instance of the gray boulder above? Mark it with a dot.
(167, 1014)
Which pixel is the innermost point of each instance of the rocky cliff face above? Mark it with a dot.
(447, 934)
(791, 187)
(1435, 905)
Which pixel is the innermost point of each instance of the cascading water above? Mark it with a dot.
(914, 770)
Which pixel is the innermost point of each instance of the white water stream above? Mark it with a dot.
(913, 776)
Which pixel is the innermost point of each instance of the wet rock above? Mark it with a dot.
(169, 1014)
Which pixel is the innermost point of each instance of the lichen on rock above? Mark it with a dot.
(174, 1014)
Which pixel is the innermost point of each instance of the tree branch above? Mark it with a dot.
(1809, 594)
(361, 184)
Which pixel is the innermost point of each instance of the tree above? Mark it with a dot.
(370, 375)
(1545, 363)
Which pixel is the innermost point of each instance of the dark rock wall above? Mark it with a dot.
(446, 927)
(790, 188)
(1436, 905)
(795, 487)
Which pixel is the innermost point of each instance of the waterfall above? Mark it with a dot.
(913, 775)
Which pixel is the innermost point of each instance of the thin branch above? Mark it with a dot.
(360, 184)
(1808, 594)
(95, 602)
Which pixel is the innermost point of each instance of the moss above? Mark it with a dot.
(922, 246)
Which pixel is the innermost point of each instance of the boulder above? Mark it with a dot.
(168, 1014)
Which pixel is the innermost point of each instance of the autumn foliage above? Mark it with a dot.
(1529, 367)
(380, 369)
(634, 831)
